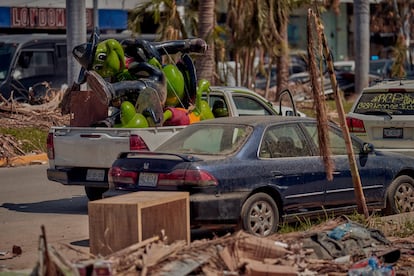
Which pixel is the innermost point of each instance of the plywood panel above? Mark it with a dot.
(165, 216)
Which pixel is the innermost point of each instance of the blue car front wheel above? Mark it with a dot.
(400, 196)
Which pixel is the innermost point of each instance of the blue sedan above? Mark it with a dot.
(262, 170)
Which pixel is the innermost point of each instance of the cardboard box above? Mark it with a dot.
(118, 222)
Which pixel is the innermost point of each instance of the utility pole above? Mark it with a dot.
(361, 44)
(75, 34)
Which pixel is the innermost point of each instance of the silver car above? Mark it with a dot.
(384, 115)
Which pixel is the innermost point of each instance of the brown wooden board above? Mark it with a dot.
(118, 222)
(86, 108)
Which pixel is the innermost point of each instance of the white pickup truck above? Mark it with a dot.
(83, 155)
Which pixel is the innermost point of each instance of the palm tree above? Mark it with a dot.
(206, 15)
(243, 37)
(164, 13)
(261, 26)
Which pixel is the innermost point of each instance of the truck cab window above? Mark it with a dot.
(34, 63)
(247, 106)
(6, 55)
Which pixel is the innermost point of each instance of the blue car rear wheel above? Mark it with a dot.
(260, 215)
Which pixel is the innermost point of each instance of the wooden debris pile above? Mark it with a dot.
(237, 254)
(233, 254)
(41, 116)
(15, 114)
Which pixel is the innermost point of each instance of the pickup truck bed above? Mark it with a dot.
(83, 155)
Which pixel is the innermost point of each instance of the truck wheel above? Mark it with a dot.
(260, 215)
(94, 193)
(400, 196)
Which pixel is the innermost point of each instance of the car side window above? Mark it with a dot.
(34, 63)
(247, 106)
(336, 141)
(219, 108)
(283, 141)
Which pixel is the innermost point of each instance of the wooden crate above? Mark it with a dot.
(118, 222)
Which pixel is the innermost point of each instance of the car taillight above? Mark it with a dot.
(136, 143)
(50, 147)
(355, 125)
(175, 178)
(187, 177)
(118, 175)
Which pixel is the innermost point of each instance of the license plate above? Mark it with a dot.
(393, 132)
(148, 179)
(95, 175)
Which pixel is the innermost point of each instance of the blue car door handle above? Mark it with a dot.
(277, 174)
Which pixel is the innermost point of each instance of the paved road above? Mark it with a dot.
(28, 201)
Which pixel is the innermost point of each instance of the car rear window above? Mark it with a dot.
(394, 103)
(212, 139)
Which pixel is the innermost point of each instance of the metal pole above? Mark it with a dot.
(361, 44)
(95, 14)
(75, 34)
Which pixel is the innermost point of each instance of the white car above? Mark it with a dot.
(288, 111)
(345, 65)
(384, 115)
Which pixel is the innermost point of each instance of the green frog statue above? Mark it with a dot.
(131, 73)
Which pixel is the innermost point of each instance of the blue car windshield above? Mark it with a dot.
(7, 51)
(214, 139)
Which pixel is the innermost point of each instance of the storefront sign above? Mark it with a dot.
(43, 18)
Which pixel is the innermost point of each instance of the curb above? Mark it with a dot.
(34, 159)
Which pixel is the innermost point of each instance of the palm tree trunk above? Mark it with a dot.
(205, 64)
(282, 61)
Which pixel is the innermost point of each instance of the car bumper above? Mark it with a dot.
(210, 208)
(75, 176)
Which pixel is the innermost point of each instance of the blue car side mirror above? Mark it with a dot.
(367, 148)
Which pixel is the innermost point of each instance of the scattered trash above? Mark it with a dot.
(244, 254)
(16, 251)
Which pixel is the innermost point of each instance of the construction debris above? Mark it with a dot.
(337, 247)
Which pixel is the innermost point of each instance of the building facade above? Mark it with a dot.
(21, 16)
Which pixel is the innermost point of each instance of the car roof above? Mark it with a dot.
(24, 38)
(232, 89)
(257, 120)
(396, 85)
(236, 89)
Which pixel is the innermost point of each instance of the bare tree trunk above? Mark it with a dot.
(282, 61)
(361, 44)
(205, 64)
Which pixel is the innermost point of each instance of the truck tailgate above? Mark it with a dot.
(87, 147)
(99, 147)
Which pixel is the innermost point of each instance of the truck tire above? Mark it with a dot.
(94, 193)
